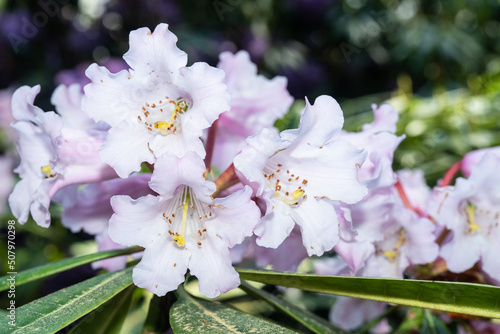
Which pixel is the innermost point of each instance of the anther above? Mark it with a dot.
(179, 240)
(298, 193)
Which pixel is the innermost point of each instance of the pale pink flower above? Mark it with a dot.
(56, 150)
(470, 209)
(91, 210)
(256, 103)
(379, 140)
(349, 313)
(473, 157)
(386, 237)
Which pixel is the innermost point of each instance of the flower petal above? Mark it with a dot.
(235, 216)
(21, 197)
(331, 171)
(275, 226)
(319, 123)
(355, 254)
(155, 51)
(490, 261)
(350, 313)
(252, 159)
(286, 257)
(68, 101)
(22, 103)
(92, 209)
(211, 264)
(177, 144)
(386, 118)
(108, 98)
(318, 223)
(125, 148)
(162, 267)
(137, 222)
(171, 171)
(208, 93)
(459, 258)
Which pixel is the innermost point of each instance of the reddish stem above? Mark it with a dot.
(227, 179)
(209, 146)
(404, 197)
(450, 174)
(406, 201)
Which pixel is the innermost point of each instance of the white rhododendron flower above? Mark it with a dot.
(184, 228)
(299, 173)
(157, 106)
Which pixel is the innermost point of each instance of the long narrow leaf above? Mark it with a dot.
(467, 298)
(46, 270)
(107, 318)
(192, 315)
(311, 321)
(59, 309)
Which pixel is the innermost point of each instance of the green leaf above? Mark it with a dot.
(61, 308)
(109, 317)
(156, 321)
(191, 315)
(466, 298)
(310, 320)
(433, 325)
(43, 271)
(412, 322)
(292, 118)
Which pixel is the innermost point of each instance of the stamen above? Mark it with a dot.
(47, 170)
(157, 115)
(391, 256)
(471, 218)
(179, 240)
(298, 193)
(161, 125)
(185, 209)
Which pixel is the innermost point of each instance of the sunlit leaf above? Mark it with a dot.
(46, 270)
(433, 325)
(191, 315)
(466, 298)
(313, 322)
(59, 309)
(109, 317)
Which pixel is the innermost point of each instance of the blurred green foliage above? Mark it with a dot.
(343, 48)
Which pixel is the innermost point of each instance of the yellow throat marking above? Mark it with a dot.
(179, 239)
(47, 170)
(471, 218)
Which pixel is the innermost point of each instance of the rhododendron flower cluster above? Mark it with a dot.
(184, 161)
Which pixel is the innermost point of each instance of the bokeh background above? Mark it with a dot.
(443, 56)
(436, 62)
